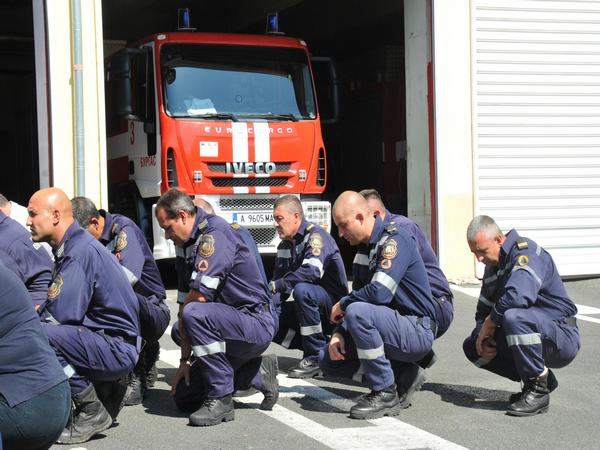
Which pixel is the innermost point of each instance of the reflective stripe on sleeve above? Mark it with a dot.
(209, 349)
(310, 330)
(361, 259)
(531, 271)
(130, 276)
(524, 339)
(370, 353)
(386, 280)
(210, 282)
(284, 253)
(69, 370)
(486, 302)
(315, 263)
(181, 296)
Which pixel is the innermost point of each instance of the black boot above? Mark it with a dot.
(213, 411)
(88, 419)
(307, 368)
(270, 385)
(534, 400)
(151, 355)
(552, 385)
(428, 360)
(409, 380)
(377, 404)
(136, 387)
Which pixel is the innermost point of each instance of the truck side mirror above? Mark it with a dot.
(326, 85)
(125, 79)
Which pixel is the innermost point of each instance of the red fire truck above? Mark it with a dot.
(231, 118)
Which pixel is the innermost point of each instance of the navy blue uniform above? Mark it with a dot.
(35, 400)
(438, 283)
(27, 260)
(389, 315)
(311, 267)
(125, 240)
(233, 327)
(526, 299)
(91, 316)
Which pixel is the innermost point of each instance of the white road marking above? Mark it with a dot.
(386, 432)
(581, 309)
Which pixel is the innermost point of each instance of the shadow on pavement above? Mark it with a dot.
(469, 396)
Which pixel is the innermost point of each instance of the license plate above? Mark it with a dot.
(253, 218)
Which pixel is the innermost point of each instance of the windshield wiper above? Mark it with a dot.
(226, 116)
(274, 116)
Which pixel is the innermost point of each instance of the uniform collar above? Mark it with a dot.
(200, 223)
(107, 233)
(60, 249)
(377, 230)
(2, 216)
(301, 229)
(511, 238)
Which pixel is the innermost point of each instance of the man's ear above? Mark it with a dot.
(499, 239)
(55, 215)
(360, 217)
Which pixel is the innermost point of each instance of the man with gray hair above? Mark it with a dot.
(309, 264)
(525, 321)
(224, 315)
(124, 239)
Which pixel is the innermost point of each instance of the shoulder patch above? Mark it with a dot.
(391, 228)
(113, 230)
(316, 243)
(202, 225)
(522, 244)
(55, 287)
(235, 226)
(389, 250)
(206, 247)
(121, 241)
(522, 260)
(310, 226)
(203, 265)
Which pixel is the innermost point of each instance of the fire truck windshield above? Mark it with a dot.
(237, 82)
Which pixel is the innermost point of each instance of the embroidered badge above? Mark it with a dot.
(386, 263)
(206, 247)
(203, 265)
(389, 249)
(522, 260)
(316, 243)
(121, 241)
(55, 287)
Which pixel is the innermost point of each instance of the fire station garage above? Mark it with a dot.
(449, 109)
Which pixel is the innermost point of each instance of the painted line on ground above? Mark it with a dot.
(386, 432)
(582, 310)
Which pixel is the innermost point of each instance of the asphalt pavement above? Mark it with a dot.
(459, 406)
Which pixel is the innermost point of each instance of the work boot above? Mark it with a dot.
(136, 388)
(88, 418)
(151, 355)
(534, 400)
(213, 411)
(552, 385)
(112, 394)
(240, 393)
(409, 381)
(270, 385)
(307, 368)
(428, 360)
(377, 404)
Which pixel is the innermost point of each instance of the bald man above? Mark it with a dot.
(91, 314)
(389, 316)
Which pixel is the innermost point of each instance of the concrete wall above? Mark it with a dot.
(61, 95)
(453, 134)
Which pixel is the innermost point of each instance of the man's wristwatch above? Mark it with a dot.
(186, 359)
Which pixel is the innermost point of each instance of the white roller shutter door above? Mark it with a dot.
(536, 123)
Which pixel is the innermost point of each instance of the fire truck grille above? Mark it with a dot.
(263, 236)
(220, 167)
(247, 203)
(252, 182)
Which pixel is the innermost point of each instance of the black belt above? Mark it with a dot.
(571, 321)
(432, 324)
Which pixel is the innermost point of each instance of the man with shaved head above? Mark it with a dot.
(389, 316)
(91, 314)
(308, 264)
